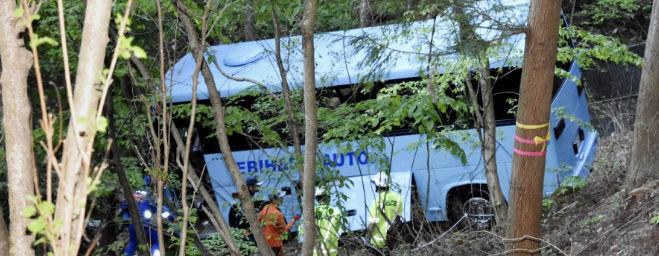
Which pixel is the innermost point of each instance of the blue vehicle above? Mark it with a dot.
(445, 185)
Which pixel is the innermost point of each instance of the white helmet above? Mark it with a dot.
(380, 179)
(320, 192)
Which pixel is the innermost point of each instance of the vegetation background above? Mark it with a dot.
(599, 217)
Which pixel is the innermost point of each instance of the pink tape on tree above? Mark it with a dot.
(525, 141)
(527, 153)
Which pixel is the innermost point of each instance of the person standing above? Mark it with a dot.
(328, 220)
(384, 209)
(146, 209)
(273, 222)
(237, 217)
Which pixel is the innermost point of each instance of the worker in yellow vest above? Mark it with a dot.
(328, 220)
(328, 223)
(384, 209)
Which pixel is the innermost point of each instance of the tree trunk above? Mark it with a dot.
(645, 152)
(364, 13)
(76, 156)
(484, 117)
(534, 109)
(220, 125)
(249, 26)
(16, 63)
(489, 146)
(310, 125)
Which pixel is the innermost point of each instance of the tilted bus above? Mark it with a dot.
(442, 182)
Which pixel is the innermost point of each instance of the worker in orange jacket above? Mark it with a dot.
(273, 222)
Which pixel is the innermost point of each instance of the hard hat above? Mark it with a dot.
(380, 179)
(277, 194)
(253, 181)
(320, 192)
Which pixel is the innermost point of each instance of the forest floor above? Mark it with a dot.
(599, 219)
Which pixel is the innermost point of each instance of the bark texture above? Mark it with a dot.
(310, 125)
(645, 151)
(16, 63)
(489, 144)
(534, 109)
(72, 190)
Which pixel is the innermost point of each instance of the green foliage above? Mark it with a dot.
(599, 12)
(590, 47)
(41, 213)
(50, 58)
(570, 184)
(547, 203)
(575, 182)
(655, 218)
(42, 40)
(216, 245)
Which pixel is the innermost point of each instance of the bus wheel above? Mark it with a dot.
(470, 208)
(480, 213)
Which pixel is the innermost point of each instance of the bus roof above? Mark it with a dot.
(342, 57)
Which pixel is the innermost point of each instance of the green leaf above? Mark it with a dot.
(19, 12)
(36, 226)
(102, 124)
(125, 55)
(47, 208)
(29, 211)
(42, 40)
(139, 52)
(655, 220)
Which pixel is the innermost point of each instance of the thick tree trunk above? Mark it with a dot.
(220, 125)
(310, 125)
(645, 151)
(534, 109)
(76, 157)
(16, 63)
(489, 147)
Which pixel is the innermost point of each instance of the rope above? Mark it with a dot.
(442, 235)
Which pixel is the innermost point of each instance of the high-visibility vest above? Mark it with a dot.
(328, 223)
(392, 205)
(328, 220)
